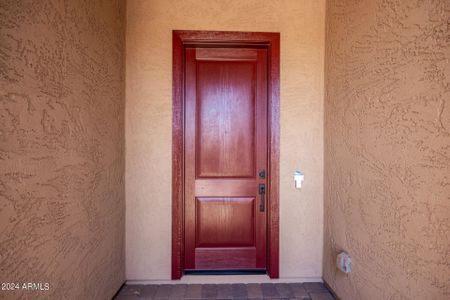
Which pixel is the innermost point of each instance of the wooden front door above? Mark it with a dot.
(225, 158)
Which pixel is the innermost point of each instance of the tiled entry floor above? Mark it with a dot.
(310, 290)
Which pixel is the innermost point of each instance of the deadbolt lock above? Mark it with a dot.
(262, 174)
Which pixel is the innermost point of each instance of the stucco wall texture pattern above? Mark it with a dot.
(387, 148)
(62, 147)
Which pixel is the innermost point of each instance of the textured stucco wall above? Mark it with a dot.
(387, 149)
(148, 123)
(62, 147)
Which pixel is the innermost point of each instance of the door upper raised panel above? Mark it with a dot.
(225, 119)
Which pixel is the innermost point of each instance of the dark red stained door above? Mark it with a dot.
(225, 150)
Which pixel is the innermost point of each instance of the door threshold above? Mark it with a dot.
(226, 272)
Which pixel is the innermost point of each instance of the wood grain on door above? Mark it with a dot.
(225, 150)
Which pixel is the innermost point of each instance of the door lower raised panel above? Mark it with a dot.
(225, 222)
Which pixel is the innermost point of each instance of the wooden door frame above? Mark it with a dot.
(180, 40)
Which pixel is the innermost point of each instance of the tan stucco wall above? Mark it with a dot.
(387, 150)
(62, 203)
(148, 123)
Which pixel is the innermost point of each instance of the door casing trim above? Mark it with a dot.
(271, 41)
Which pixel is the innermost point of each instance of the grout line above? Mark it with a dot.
(224, 279)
